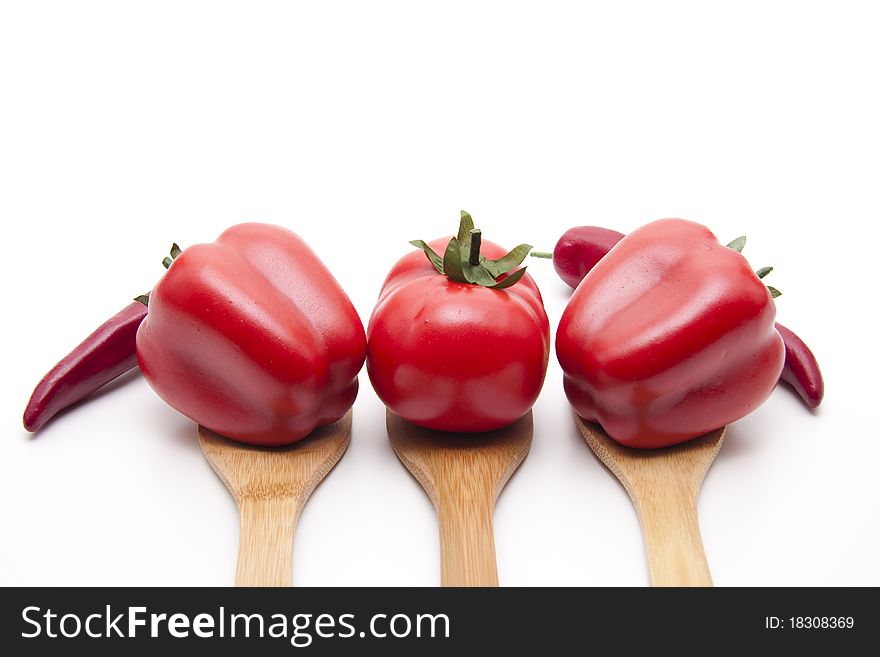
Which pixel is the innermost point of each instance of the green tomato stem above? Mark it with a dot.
(476, 240)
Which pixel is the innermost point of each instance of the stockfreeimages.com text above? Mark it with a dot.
(299, 629)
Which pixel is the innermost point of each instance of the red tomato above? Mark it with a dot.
(456, 356)
(669, 336)
(252, 337)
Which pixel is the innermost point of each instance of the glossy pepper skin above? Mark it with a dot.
(579, 249)
(252, 337)
(801, 369)
(669, 336)
(106, 354)
(453, 356)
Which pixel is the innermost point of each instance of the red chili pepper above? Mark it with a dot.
(106, 354)
(252, 337)
(801, 369)
(579, 249)
(460, 342)
(670, 336)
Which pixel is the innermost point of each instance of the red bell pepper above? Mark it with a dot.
(669, 336)
(459, 343)
(252, 337)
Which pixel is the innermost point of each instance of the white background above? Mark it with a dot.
(364, 125)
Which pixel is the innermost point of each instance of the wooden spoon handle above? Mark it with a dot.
(672, 539)
(467, 542)
(265, 548)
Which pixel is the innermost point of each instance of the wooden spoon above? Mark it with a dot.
(463, 475)
(663, 484)
(270, 486)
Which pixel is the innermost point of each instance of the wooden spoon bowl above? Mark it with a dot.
(463, 474)
(663, 485)
(271, 485)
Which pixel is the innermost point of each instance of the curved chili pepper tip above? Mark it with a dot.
(106, 354)
(801, 370)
